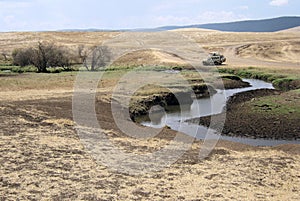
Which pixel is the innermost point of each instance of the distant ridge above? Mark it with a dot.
(264, 25)
(267, 25)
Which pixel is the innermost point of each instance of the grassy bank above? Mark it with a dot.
(286, 104)
(281, 80)
(280, 112)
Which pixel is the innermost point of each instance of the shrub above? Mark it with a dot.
(22, 57)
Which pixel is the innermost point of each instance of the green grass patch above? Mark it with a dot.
(287, 103)
(280, 81)
(33, 69)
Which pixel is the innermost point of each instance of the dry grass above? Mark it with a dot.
(284, 51)
(13, 40)
(149, 58)
(36, 81)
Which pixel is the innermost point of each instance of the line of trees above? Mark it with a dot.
(50, 56)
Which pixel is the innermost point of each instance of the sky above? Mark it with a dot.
(48, 15)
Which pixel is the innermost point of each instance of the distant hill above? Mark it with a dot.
(267, 25)
(295, 29)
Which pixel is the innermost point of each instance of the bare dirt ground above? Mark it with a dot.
(42, 157)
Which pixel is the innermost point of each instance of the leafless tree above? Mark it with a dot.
(99, 57)
(82, 53)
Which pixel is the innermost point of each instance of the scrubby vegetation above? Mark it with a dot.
(49, 58)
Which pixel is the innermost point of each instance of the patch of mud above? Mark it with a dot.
(230, 84)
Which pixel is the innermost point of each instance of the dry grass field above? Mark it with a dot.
(276, 47)
(42, 157)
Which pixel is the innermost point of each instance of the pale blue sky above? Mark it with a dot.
(34, 15)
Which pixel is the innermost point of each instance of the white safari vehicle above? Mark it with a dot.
(214, 58)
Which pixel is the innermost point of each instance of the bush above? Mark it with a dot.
(22, 57)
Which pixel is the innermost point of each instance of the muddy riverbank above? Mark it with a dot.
(246, 118)
(140, 105)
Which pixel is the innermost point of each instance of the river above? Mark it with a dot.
(176, 119)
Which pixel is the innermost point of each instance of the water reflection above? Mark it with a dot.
(175, 117)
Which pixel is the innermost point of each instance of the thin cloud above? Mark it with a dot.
(279, 2)
(244, 7)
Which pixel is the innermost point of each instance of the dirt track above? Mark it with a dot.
(237, 59)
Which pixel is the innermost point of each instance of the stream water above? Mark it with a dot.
(215, 104)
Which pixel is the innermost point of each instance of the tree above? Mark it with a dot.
(49, 56)
(42, 57)
(99, 57)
